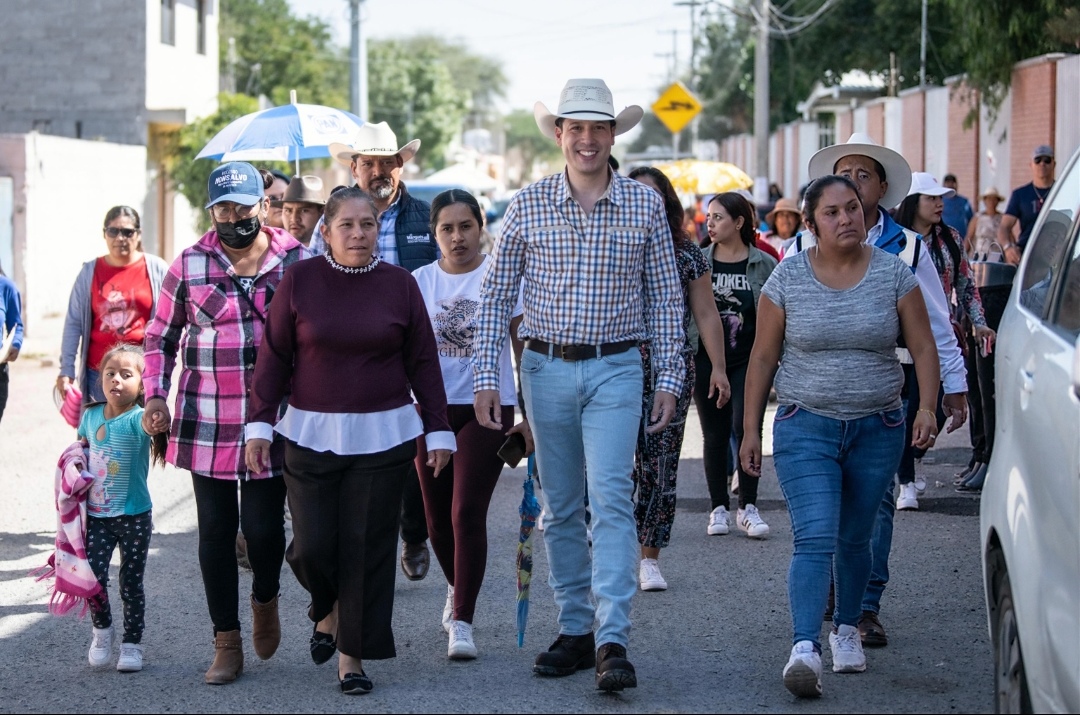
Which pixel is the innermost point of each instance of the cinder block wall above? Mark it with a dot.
(57, 74)
(914, 117)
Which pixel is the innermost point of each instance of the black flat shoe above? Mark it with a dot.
(322, 645)
(356, 684)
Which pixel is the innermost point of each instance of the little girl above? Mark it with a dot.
(118, 506)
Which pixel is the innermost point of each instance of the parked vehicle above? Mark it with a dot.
(1030, 510)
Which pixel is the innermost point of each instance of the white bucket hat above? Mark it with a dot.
(373, 140)
(924, 183)
(897, 171)
(590, 100)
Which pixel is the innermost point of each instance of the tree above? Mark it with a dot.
(481, 78)
(278, 52)
(412, 90)
(522, 134)
(190, 175)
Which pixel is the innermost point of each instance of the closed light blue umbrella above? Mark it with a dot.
(288, 133)
(529, 511)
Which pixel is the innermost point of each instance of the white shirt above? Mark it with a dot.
(453, 301)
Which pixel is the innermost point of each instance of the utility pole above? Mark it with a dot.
(231, 58)
(922, 48)
(358, 90)
(693, 5)
(761, 106)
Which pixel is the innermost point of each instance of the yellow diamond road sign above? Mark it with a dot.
(676, 107)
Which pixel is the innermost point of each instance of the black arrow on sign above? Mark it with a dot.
(675, 106)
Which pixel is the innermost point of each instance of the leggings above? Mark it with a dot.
(657, 461)
(132, 533)
(457, 502)
(716, 427)
(4, 378)
(261, 516)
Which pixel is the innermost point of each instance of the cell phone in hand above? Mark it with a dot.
(512, 450)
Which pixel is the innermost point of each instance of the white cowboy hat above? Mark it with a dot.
(897, 170)
(587, 99)
(924, 183)
(373, 140)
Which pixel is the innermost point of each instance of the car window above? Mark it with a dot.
(1068, 310)
(1047, 248)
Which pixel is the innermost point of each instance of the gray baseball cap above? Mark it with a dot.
(1043, 150)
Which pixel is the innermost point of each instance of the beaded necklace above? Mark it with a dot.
(349, 269)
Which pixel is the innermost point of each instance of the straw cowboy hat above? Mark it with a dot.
(303, 190)
(590, 100)
(992, 191)
(897, 171)
(782, 205)
(373, 140)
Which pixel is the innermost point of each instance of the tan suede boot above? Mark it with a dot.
(228, 658)
(266, 628)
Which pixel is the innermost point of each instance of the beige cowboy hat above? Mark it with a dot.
(373, 140)
(782, 205)
(590, 100)
(992, 191)
(897, 170)
(303, 190)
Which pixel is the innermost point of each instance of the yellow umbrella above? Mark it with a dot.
(705, 177)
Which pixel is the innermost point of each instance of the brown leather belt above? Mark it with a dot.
(579, 352)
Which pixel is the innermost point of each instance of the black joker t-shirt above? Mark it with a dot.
(735, 303)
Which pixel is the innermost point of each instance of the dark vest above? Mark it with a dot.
(412, 230)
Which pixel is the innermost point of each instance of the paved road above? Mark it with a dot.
(714, 642)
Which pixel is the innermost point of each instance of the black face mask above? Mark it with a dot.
(240, 234)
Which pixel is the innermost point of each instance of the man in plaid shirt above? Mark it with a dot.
(211, 310)
(593, 254)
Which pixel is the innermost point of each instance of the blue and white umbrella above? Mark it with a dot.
(288, 133)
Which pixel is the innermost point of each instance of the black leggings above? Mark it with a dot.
(261, 516)
(132, 533)
(716, 427)
(3, 388)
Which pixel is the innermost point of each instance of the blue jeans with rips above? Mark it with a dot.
(587, 412)
(833, 474)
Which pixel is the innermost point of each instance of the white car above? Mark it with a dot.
(1030, 510)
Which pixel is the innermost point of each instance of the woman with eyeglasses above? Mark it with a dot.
(111, 302)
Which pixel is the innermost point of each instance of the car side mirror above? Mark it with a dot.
(1076, 369)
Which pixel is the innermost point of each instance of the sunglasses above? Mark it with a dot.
(113, 232)
(1043, 160)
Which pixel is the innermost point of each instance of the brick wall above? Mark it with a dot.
(1034, 88)
(963, 142)
(844, 124)
(913, 146)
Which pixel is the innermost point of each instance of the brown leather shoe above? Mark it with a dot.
(265, 628)
(415, 560)
(228, 658)
(871, 632)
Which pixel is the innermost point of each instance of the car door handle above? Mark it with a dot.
(1027, 382)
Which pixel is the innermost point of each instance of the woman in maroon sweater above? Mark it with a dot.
(347, 336)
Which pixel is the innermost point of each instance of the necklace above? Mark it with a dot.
(349, 269)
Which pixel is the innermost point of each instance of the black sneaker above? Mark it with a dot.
(566, 655)
(613, 671)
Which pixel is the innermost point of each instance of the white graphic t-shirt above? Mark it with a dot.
(453, 300)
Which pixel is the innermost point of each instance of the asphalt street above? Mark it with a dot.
(715, 641)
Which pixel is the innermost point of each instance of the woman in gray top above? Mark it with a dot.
(835, 313)
(111, 302)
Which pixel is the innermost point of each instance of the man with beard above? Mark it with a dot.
(405, 240)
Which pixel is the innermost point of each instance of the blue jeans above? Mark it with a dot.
(833, 474)
(587, 412)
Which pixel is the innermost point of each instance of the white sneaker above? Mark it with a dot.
(540, 521)
(130, 660)
(920, 485)
(461, 641)
(649, 576)
(448, 609)
(101, 647)
(907, 499)
(802, 674)
(750, 521)
(847, 652)
(718, 522)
